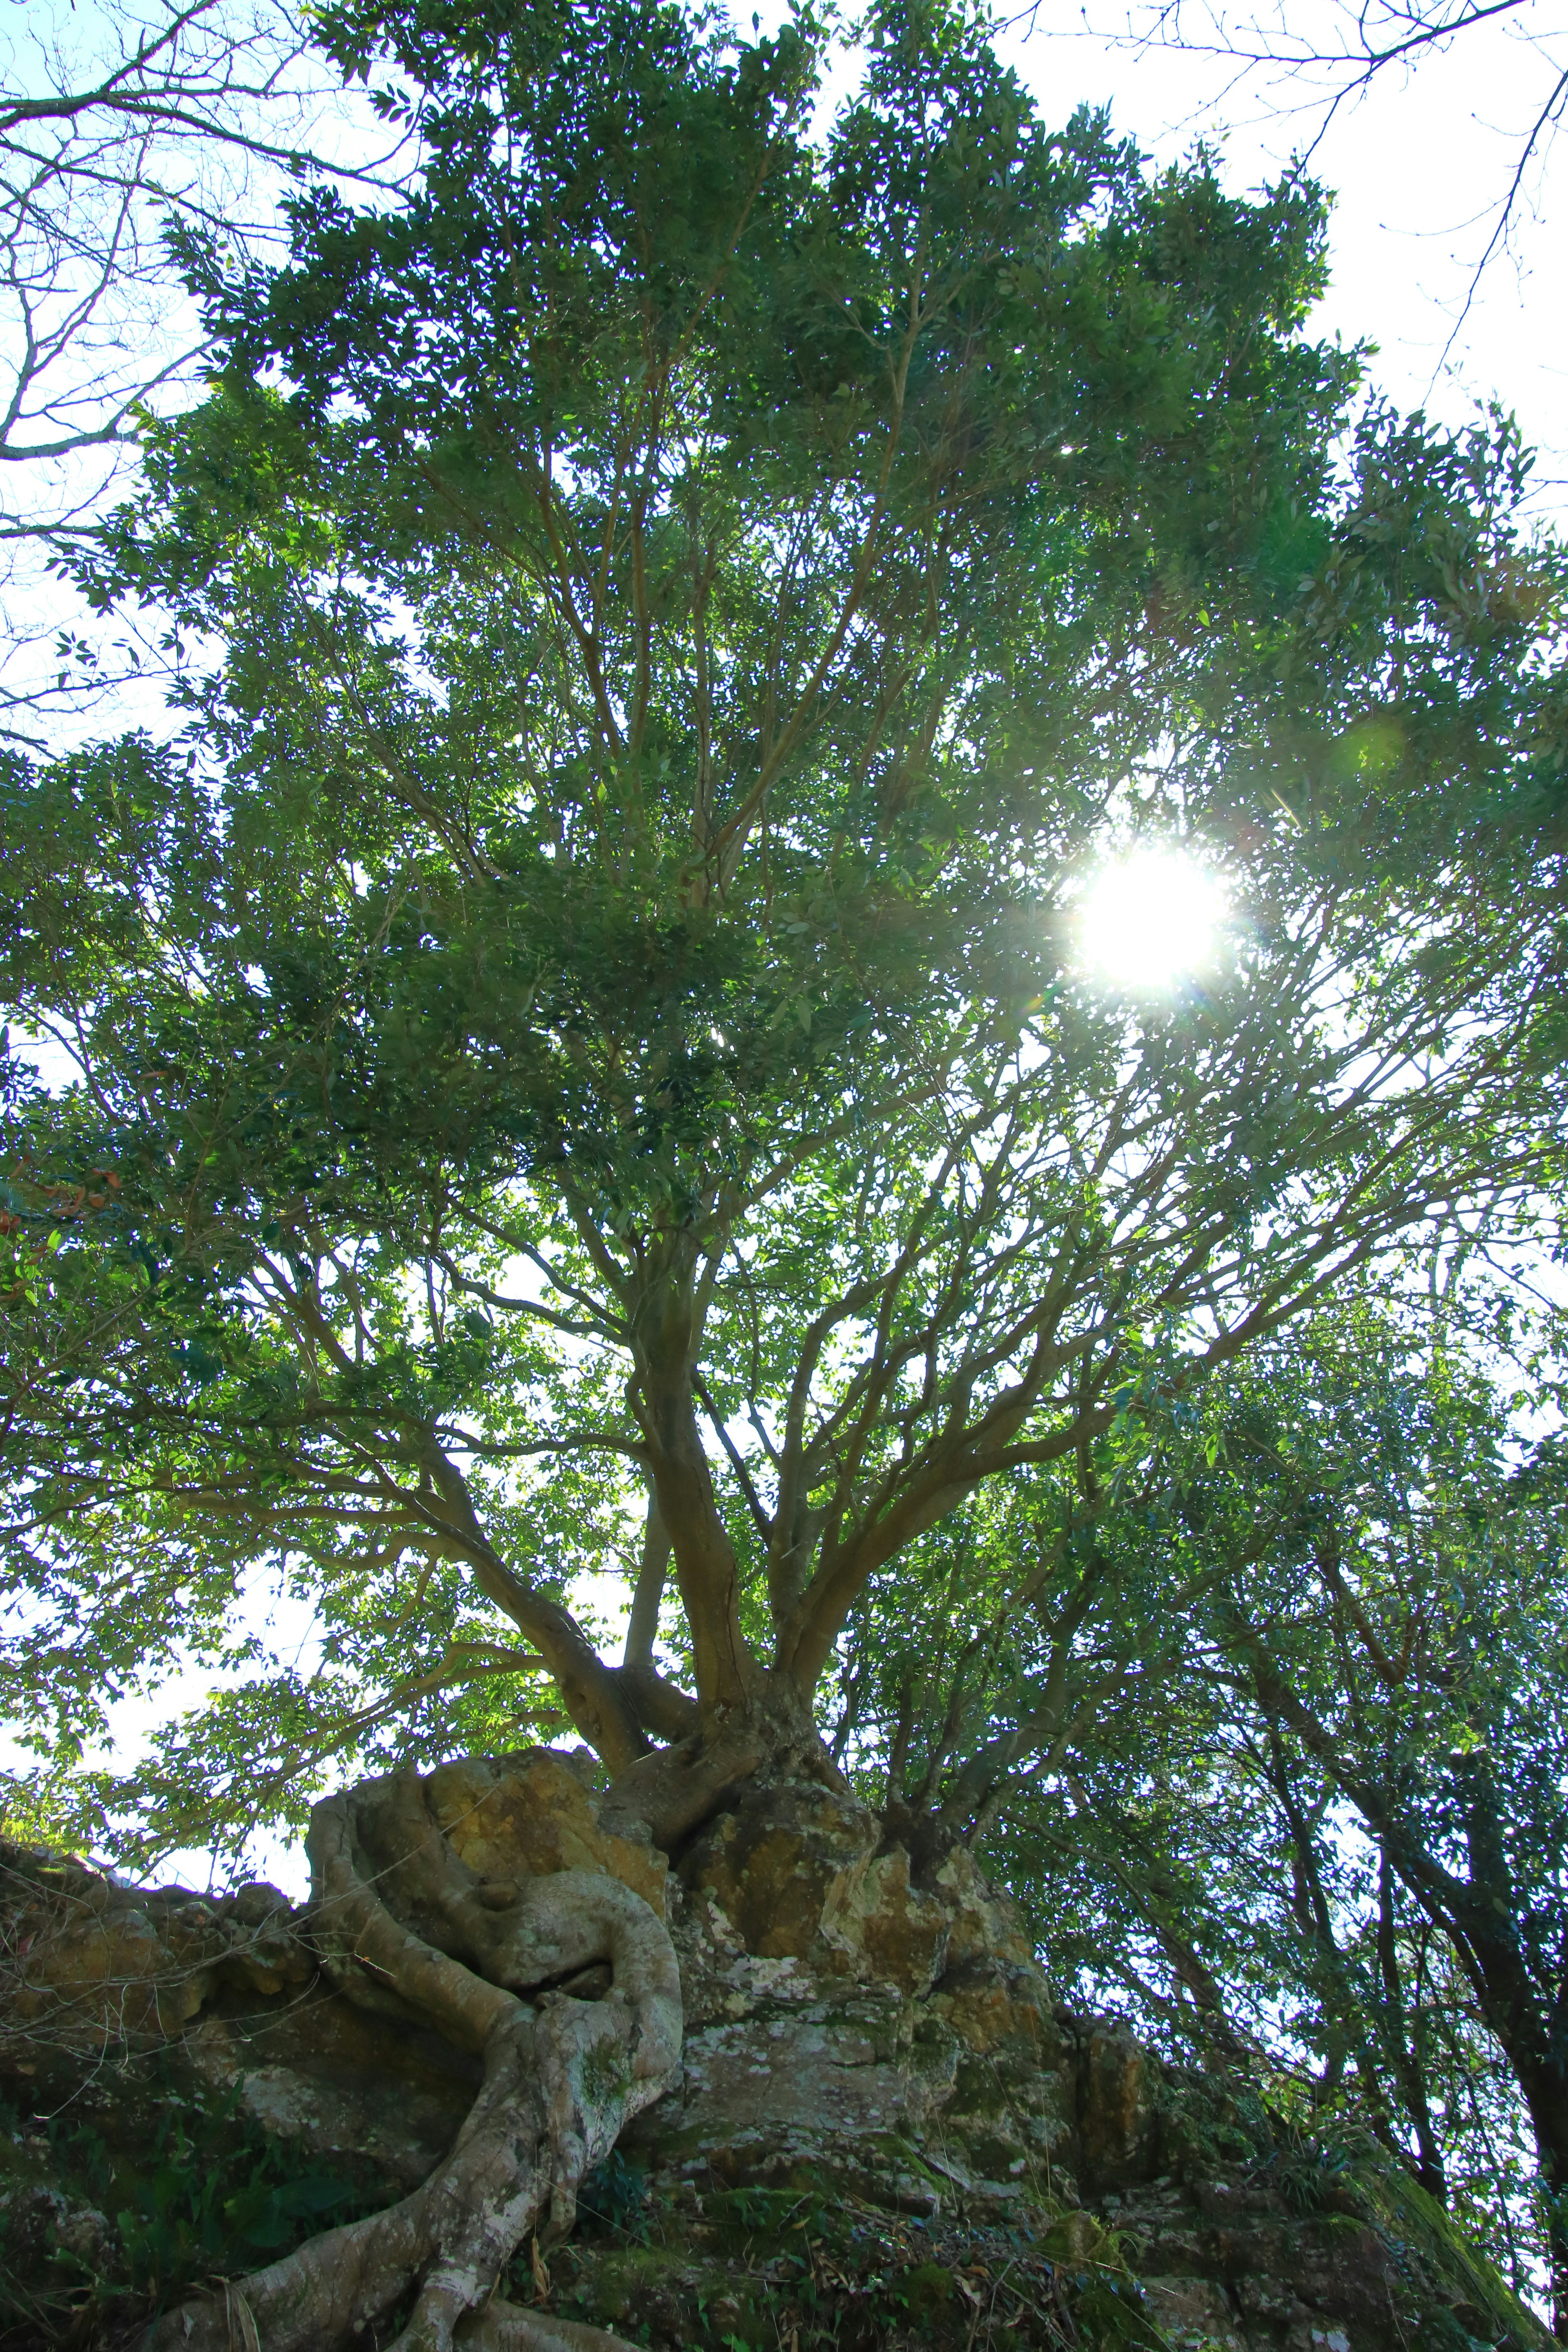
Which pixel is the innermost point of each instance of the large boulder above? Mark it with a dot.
(524, 1815)
(843, 2021)
(881, 2113)
(228, 1995)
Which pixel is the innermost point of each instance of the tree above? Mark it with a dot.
(181, 112)
(582, 1053)
(1314, 68)
(1446, 1739)
(1358, 1792)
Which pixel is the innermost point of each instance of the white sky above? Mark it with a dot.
(1418, 166)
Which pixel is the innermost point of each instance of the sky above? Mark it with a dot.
(1418, 166)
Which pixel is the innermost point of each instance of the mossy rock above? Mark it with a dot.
(1484, 2308)
(768, 2215)
(929, 2290)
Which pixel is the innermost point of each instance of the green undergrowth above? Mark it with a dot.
(1342, 2172)
(808, 2263)
(112, 2212)
(106, 2220)
(806, 2266)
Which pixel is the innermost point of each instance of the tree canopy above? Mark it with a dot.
(580, 1058)
(580, 1048)
(568, 1075)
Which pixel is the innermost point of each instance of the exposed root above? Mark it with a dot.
(403, 1925)
(507, 2328)
(673, 1790)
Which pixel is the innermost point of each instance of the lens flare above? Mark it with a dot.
(1150, 918)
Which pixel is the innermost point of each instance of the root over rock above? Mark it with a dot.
(500, 1967)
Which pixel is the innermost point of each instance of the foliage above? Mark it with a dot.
(613, 2198)
(184, 2187)
(1320, 1831)
(571, 1067)
(717, 2265)
(580, 1059)
(1313, 66)
(824, 2267)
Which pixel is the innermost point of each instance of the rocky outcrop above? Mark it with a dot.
(521, 1816)
(231, 1992)
(845, 2022)
(874, 2073)
(89, 1957)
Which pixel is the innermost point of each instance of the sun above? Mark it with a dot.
(1150, 918)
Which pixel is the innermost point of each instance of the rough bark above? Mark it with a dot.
(768, 1737)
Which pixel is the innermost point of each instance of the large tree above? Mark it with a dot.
(588, 1011)
(580, 1055)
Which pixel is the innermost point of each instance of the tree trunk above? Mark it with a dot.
(1548, 2104)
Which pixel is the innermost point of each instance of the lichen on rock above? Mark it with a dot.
(879, 2130)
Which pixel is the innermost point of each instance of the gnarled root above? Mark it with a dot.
(561, 2076)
